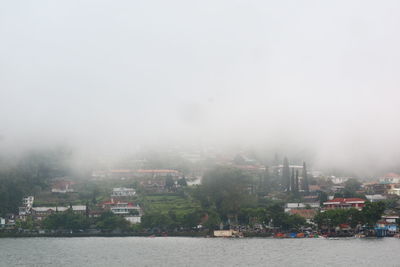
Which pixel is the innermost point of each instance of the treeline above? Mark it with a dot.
(226, 196)
(368, 216)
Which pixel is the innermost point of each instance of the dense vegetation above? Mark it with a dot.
(369, 215)
(29, 175)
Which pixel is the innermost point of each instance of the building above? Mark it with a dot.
(295, 205)
(130, 211)
(157, 173)
(39, 213)
(339, 180)
(393, 189)
(375, 188)
(123, 192)
(375, 198)
(124, 208)
(391, 218)
(390, 178)
(344, 203)
(62, 187)
(27, 203)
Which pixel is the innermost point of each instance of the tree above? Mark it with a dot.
(292, 178)
(67, 220)
(373, 211)
(286, 174)
(169, 182)
(182, 182)
(158, 220)
(352, 185)
(213, 220)
(296, 182)
(227, 190)
(108, 221)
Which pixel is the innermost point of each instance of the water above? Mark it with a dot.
(178, 251)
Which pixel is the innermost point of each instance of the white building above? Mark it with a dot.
(394, 189)
(390, 178)
(123, 192)
(290, 206)
(133, 219)
(339, 180)
(124, 208)
(375, 198)
(27, 203)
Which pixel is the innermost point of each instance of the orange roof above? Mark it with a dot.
(344, 200)
(121, 171)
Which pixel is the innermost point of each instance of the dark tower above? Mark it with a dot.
(305, 186)
(292, 182)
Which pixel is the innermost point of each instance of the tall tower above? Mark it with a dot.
(305, 186)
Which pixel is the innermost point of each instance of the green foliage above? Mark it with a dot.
(169, 182)
(373, 212)
(227, 190)
(108, 221)
(182, 181)
(29, 176)
(66, 221)
(369, 215)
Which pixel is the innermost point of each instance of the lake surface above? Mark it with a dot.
(181, 251)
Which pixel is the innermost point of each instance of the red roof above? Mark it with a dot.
(345, 200)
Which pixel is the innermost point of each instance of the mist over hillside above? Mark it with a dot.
(313, 81)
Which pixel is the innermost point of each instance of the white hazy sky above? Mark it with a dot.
(321, 75)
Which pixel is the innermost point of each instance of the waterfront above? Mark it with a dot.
(182, 251)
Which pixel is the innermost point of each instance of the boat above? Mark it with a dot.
(359, 236)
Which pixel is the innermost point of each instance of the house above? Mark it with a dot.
(390, 218)
(307, 214)
(311, 199)
(39, 213)
(124, 208)
(157, 173)
(390, 178)
(123, 192)
(393, 189)
(295, 205)
(133, 219)
(375, 198)
(314, 188)
(383, 228)
(339, 180)
(344, 203)
(153, 185)
(27, 203)
(130, 211)
(375, 188)
(62, 187)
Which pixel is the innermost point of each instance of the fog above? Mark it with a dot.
(313, 78)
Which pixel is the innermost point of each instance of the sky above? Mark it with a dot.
(319, 76)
